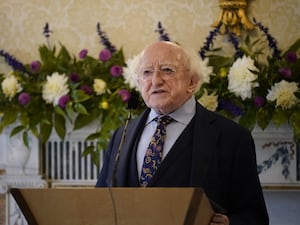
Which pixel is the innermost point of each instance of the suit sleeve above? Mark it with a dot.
(108, 162)
(248, 206)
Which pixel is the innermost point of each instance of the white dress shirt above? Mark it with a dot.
(181, 116)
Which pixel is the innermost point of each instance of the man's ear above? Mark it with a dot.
(194, 82)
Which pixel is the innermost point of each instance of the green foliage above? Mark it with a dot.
(248, 111)
(83, 108)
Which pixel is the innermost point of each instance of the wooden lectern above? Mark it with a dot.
(114, 206)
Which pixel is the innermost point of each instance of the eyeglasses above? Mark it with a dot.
(165, 71)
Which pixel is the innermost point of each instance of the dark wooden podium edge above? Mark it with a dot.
(193, 207)
(16, 193)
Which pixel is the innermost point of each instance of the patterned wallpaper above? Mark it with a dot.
(128, 23)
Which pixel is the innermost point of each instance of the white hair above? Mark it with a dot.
(191, 63)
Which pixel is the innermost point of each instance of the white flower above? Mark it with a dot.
(130, 73)
(55, 87)
(99, 86)
(241, 80)
(206, 70)
(209, 101)
(11, 86)
(284, 94)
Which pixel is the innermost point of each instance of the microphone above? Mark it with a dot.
(133, 103)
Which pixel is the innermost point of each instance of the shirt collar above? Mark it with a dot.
(182, 115)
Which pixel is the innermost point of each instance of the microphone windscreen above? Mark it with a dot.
(133, 101)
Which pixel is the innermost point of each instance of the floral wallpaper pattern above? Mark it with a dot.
(128, 23)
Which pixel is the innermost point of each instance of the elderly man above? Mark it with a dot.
(189, 145)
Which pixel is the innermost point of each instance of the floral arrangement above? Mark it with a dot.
(61, 89)
(256, 84)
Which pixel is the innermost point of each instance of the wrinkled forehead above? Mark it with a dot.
(162, 53)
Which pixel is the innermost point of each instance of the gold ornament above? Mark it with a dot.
(232, 16)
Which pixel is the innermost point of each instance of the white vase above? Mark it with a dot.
(17, 155)
(277, 155)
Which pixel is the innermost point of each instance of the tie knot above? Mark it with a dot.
(164, 120)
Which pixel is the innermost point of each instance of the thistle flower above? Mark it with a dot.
(285, 72)
(291, 57)
(74, 77)
(104, 55)
(125, 95)
(24, 98)
(63, 101)
(116, 71)
(87, 89)
(35, 66)
(259, 101)
(83, 53)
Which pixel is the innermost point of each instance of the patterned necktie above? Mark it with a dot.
(153, 156)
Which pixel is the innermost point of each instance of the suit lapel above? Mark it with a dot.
(134, 130)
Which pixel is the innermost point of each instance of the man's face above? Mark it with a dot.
(164, 79)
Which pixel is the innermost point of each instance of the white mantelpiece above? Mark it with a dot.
(21, 170)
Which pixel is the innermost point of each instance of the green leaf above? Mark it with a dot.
(84, 120)
(295, 123)
(263, 117)
(45, 131)
(279, 117)
(294, 47)
(248, 120)
(80, 96)
(25, 138)
(60, 126)
(80, 108)
(17, 130)
(8, 118)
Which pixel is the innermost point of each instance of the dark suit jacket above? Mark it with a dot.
(213, 152)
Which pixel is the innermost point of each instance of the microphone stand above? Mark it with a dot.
(113, 182)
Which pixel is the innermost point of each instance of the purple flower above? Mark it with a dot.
(24, 98)
(104, 39)
(209, 41)
(291, 57)
(83, 53)
(63, 101)
(116, 71)
(12, 61)
(285, 72)
(74, 77)
(259, 101)
(226, 104)
(35, 66)
(87, 89)
(46, 30)
(125, 94)
(163, 36)
(104, 55)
